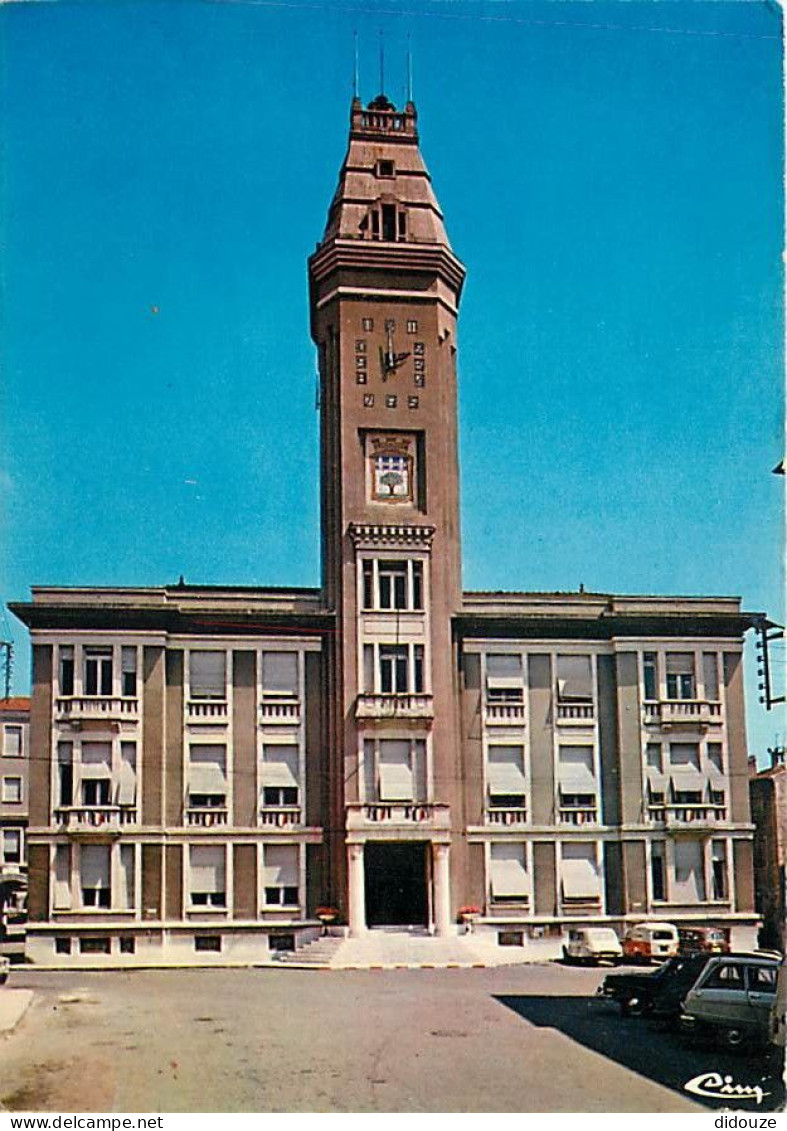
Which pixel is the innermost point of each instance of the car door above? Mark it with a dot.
(720, 997)
(761, 992)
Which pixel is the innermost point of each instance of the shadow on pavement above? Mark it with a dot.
(666, 1058)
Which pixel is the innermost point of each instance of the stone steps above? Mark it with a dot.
(316, 953)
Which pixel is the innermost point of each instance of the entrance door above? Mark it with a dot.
(395, 884)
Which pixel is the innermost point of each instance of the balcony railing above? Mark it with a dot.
(207, 710)
(506, 815)
(403, 706)
(504, 714)
(206, 816)
(575, 713)
(578, 814)
(280, 816)
(282, 709)
(96, 707)
(373, 814)
(702, 814)
(102, 817)
(670, 712)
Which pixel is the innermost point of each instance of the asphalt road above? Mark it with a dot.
(511, 1039)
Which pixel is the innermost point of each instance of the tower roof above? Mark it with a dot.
(384, 166)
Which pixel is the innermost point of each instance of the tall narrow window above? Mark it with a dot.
(126, 877)
(658, 871)
(389, 221)
(66, 652)
(127, 778)
(681, 683)
(393, 669)
(62, 885)
(207, 781)
(281, 875)
(97, 671)
(574, 679)
(279, 774)
(689, 871)
(716, 757)
(504, 679)
(509, 878)
(128, 671)
(710, 675)
(207, 675)
(718, 863)
(650, 675)
(65, 773)
(653, 757)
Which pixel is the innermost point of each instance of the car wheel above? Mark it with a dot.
(732, 1039)
(3, 979)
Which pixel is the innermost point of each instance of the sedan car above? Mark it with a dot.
(660, 991)
(732, 1000)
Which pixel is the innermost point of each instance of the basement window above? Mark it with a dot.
(207, 944)
(62, 945)
(94, 946)
(128, 945)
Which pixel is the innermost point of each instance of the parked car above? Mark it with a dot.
(659, 992)
(732, 1000)
(778, 1018)
(702, 940)
(5, 966)
(592, 944)
(651, 942)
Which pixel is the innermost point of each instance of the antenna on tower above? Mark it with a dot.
(382, 63)
(409, 70)
(356, 81)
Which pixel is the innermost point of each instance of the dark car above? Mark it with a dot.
(703, 940)
(659, 992)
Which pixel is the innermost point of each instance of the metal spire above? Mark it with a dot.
(382, 63)
(355, 65)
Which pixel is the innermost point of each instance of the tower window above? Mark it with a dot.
(412, 328)
(385, 169)
(401, 223)
(389, 221)
(368, 323)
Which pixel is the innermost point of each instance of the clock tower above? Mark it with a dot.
(384, 294)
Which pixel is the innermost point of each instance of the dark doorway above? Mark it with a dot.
(395, 884)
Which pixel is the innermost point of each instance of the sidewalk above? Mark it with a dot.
(13, 1006)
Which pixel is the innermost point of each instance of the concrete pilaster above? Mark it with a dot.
(442, 889)
(356, 895)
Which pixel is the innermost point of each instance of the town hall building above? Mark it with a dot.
(212, 765)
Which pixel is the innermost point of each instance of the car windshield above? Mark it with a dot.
(661, 936)
(608, 937)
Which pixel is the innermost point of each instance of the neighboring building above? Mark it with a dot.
(768, 790)
(14, 800)
(214, 763)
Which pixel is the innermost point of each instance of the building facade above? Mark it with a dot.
(14, 800)
(768, 792)
(215, 764)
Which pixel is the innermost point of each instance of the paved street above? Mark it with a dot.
(509, 1039)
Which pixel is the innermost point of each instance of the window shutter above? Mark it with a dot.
(509, 871)
(94, 866)
(207, 769)
(126, 893)
(62, 886)
(280, 672)
(280, 766)
(396, 775)
(207, 675)
(208, 869)
(281, 866)
(579, 872)
(689, 884)
(575, 677)
(12, 744)
(506, 769)
(575, 769)
(96, 760)
(680, 663)
(503, 670)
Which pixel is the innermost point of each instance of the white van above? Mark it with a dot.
(592, 944)
(651, 942)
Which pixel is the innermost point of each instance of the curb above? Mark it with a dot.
(13, 1008)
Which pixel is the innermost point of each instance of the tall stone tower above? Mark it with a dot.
(384, 292)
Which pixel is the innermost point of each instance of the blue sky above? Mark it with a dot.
(611, 177)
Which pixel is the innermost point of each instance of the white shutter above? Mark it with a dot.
(207, 768)
(208, 869)
(579, 872)
(280, 766)
(12, 744)
(96, 760)
(62, 878)
(575, 677)
(689, 886)
(506, 769)
(396, 775)
(127, 777)
(500, 665)
(94, 866)
(207, 675)
(509, 870)
(280, 672)
(281, 866)
(575, 769)
(125, 896)
(680, 663)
